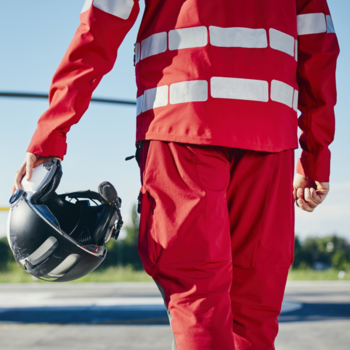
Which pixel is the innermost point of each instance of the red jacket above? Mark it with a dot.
(224, 72)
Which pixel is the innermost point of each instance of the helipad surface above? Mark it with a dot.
(315, 315)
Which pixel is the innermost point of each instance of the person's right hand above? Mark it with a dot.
(308, 194)
(31, 161)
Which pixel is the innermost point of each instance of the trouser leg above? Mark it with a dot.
(261, 212)
(184, 240)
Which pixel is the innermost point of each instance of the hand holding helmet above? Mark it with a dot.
(30, 162)
(61, 237)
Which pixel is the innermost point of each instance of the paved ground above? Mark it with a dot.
(131, 316)
(323, 322)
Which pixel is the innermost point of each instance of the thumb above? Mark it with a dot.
(322, 189)
(29, 166)
(294, 193)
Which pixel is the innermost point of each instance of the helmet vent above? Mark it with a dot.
(43, 252)
(69, 262)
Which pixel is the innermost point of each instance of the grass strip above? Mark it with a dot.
(111, 274)
(312, 275)
(15, 274)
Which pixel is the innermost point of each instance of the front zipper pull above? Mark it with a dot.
(134, 55)
(139, 145)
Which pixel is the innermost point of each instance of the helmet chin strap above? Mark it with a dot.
(78, 222)
(109, 222)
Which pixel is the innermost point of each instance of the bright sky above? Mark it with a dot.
(35, 35)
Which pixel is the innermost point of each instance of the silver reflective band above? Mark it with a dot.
(153, 98)
(153, 45)
(281, 42)
(312, 23)
(42, 252)
(330, 25)
(282, 93)
(137, 53)
(64, 266)
(296, 50)
(296, 100)
(238, 37)
(239, 89)
(118, 8)
(189, 91)
(188, 37)
(86, 6)
(139, 105)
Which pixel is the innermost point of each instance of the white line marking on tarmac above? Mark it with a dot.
(289, 306)
(50, 302)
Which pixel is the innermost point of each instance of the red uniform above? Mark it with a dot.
(227, 75)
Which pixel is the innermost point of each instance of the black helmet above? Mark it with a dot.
(61, 237)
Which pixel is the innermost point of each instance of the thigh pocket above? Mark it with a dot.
(148, 248)
(261, 210)
(212, 167)
(276, 240)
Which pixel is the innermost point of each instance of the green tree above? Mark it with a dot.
(124, 252)
(302, 258)
(340, 260)
(331, 250)
(130, 253)
(5, 254)
(132, 231)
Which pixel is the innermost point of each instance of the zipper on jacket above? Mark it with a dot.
(134, 54)
(139, 146)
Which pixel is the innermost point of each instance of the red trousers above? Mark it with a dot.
(217, 235)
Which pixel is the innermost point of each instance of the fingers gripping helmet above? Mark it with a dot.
(61, 237)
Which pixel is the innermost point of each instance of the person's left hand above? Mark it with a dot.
(31, 161)
(308, 194)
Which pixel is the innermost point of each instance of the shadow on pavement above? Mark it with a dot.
(151, 315)
(317, 312)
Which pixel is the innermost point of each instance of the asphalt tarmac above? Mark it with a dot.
(315, 315)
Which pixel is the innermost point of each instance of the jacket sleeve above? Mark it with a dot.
(317, 55)
(91, 54)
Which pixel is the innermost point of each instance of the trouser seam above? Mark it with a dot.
(168, 312)
(261, 224)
